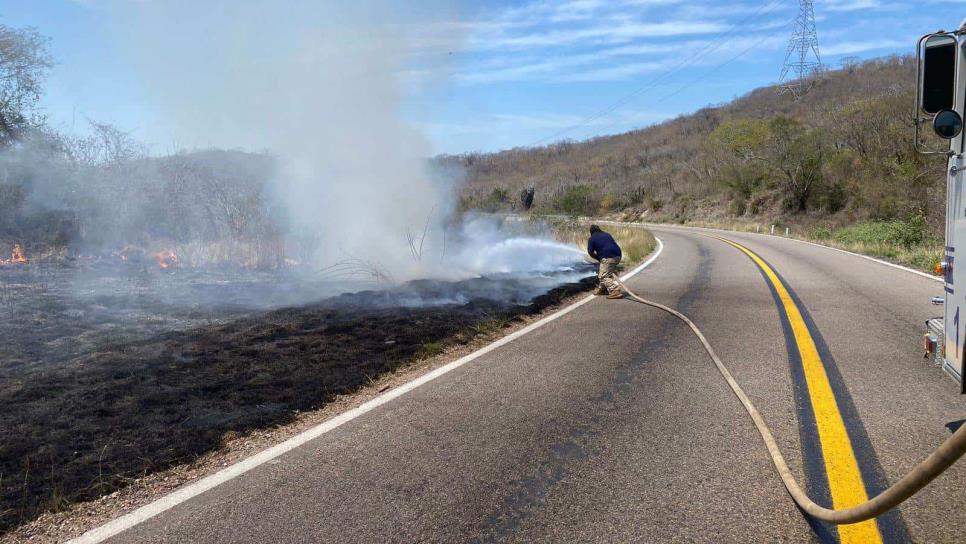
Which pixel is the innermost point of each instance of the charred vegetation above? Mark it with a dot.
(91, 402)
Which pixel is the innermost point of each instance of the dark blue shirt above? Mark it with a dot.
(602, 246)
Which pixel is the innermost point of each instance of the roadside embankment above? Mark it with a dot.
(904, 242)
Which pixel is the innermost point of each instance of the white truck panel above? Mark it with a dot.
(955, 276)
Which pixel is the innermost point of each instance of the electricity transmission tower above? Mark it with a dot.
(802, 60)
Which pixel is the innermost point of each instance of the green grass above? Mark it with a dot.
(924, 256)
(905, 242)
(904, 234)
(431, 349)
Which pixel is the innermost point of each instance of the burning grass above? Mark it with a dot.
(17, 256)
(96, 392)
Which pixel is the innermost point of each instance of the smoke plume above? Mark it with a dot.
(321, 89)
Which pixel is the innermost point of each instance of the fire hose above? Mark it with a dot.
(919, 477)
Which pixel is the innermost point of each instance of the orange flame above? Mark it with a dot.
(167, 259)
(17, 256)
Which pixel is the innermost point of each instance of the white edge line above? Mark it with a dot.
(148, 511)
(764, 234)
(867, 257)
(870, 258)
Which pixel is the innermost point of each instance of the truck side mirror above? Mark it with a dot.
(937, 60)
(947, 124)
(937, 73)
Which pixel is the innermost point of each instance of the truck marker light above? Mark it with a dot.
(930, 343)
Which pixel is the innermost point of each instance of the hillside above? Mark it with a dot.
(841, 154)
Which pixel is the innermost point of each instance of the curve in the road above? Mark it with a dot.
(608, 425)
(833, 468)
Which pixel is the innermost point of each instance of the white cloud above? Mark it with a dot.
(620, 62)
(540, 69)
(495, 122)
(653, 48)
(595, 34)
(849, 5)
(729, 10)
(848, 48)
(861, 5)
(614, 73)
(570, 40)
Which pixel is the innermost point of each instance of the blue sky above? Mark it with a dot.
(482, 76)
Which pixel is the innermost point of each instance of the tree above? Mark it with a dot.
(797, 154)
(107, 146)
(24, 62)
(580, 200)
(849, 64)
(737, 150)
(526, 197)
(742, 138)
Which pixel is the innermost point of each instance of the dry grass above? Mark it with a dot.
(924, 255)
(636, 242)
(921, 257)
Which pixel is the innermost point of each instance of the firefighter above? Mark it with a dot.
(602, 247)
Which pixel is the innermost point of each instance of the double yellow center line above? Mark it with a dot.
(844, 478)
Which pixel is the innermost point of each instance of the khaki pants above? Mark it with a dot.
(608, 275)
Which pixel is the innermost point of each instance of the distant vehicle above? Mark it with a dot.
(941, 100)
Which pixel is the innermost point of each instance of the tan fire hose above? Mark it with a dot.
(919, 477)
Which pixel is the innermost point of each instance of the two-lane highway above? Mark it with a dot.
(610, 424)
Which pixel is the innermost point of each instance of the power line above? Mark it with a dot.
(802, 58)
(720, 40)
(703, 75)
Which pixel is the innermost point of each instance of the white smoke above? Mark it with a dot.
(320, 87)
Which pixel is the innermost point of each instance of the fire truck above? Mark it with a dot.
(941, 102)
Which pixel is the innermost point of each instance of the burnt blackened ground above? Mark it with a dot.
(124, 398)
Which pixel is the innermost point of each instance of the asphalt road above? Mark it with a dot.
(610, 424)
